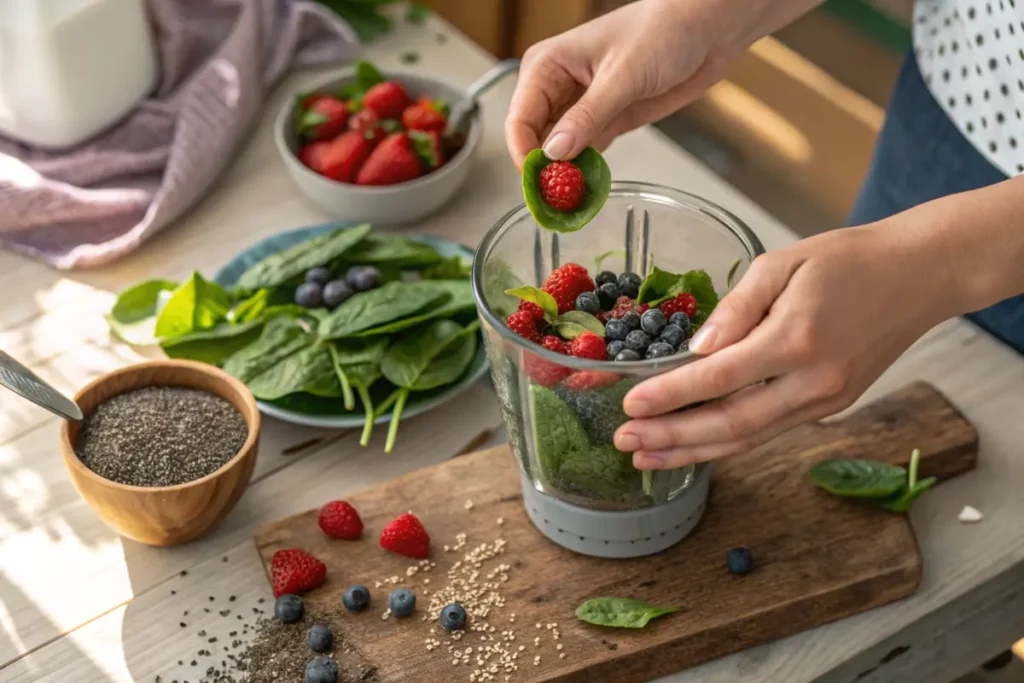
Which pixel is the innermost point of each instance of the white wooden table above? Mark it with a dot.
(80, 604)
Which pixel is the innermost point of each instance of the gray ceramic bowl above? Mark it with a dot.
(398, 204)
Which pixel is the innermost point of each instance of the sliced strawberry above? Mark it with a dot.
(393, 161)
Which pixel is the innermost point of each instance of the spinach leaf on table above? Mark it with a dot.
(215, 345)
(621, 612)
(133, 317)
(460, 301)
(597, 180)
(390, 302)
(283, 266)
(197, 304)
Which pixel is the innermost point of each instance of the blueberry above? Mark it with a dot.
(336, 292)
(608, 293)
(628, 354)
(402, 602)
(614, 347)
(453, 617)
(660, 349)
(672, 335)
(638, 341)
(309, 295)
(740, 561)
(632, 320)
(679, 318)
(629, 284)
(318, 275)
(653, 321)
(320, 638)
(322, 670)
(362, 278)
(604, 277)
(616, 330)
(288, 608)
(356, 598)
(587, 301)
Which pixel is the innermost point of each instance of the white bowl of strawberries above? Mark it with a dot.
(369, 147)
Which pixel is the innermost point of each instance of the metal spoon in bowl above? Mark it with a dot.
(28, 385)
(462, 110)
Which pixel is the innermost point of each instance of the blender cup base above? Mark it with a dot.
(618, 534)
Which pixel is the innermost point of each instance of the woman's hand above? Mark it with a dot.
(613, 74)
(820, 321)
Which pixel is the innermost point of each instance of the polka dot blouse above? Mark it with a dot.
(971, 54)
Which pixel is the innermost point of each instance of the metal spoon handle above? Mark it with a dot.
(28, 385)
(467, 105)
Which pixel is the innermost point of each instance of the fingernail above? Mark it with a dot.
(703, 340)
(627, 442)
(557, 146)
(647, 461)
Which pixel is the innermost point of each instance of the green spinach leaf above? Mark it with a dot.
(732, 273)
(279, 268)
(460, 300)
(198, 304)
(572, 324)
(451, 268)
(657, 285)
(621, 612)
(451, 363)
(600, 471)
(388, 303)
(251, 308)
(597, 180)
(660, 286)
(133, 317)
(357, 365)
(858, 478)
(215, 345)
(904, 499)
(546, 302)
(559, 434)
(393, 250)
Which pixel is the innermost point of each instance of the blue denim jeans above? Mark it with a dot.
(921, 156)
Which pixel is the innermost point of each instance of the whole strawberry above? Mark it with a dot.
(425, 116)
(562, 186)
(588, 345)
(683, 303)
(295, 571)
(341, 158)
(388, 100)
(524, 324)
(324, 118)
(338, 519)
(406, 536)
(391, 162)
(566, 283)
(367, 123)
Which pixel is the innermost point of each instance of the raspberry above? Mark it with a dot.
(533, 309)
(562, 185)
(405, 535)
(589, 379)
(566, 283)
(684, 303)
(602, 316)
(338, 519)
(523, 324)
(543, 372)
(588, 345)
(623, 305)
(644, 308)
(553, 343)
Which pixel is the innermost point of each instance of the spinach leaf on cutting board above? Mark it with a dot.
(888, 486)
(279, 268)
(621, 612)
(391, 302)
(597, 178)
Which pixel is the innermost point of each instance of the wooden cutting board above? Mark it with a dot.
(818, 558)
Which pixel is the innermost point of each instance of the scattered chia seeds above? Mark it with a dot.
(160, 436)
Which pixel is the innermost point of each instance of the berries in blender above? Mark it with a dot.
(683, 303)
(566, 283)
(628, 354)
(608, 294)
(632, 320)
(588, 302)
(659, 349)
(606, 277)
(616, 329)
(562, 185)
(614, 348)
(672, 335)
(553, 343)
(682, 320)
(588, 345)
(523, 324)
(638, 341)
(629, 284)
(653, 321)
(535, 311)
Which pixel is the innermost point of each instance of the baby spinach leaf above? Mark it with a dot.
(600, 471)
(390, 302)
(572, 324)
(732, 273)
(198, 304)
(310, 370)
(459, 301)
(357, 365)
(251, 308)
(380, 249)
(279, 268)
(657, 285)
(559, 434)
(281, 338)
(597, 180)
(660, 286)
(858, 478)
(133, 317)
(451, 268)
(214, 345)
(904, 499)
(451, 364)
(621, 612)
(546, 302)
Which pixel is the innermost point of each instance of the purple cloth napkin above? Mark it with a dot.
(219, 58)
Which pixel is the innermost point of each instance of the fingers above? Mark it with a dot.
(584, 122)
(542, 88)
(742, 309)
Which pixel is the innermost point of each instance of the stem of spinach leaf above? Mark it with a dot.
(396, 415)
(346, 386)
(386, 404)
(648, 481)
(364, 397)
(915, 460)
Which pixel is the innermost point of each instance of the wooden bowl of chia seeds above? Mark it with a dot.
(166, 448)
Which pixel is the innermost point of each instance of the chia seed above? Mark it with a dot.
(160, 436)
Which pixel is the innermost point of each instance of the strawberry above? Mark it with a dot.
(323, 119)
(566, 283)
(562, 185)
(393, 161)
(553, 343)
(405, 535)
(523, 324)
(338, 519)
(295, 571)
(542, 372)
(342, 158)
(588, 345)
(428, 148)
(535, 311)
(589, 379)
(684, 303)
(311, 154)
(367, 123)
(388, 100)
(425, 116)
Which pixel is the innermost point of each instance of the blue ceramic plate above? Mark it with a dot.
(330, 413)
